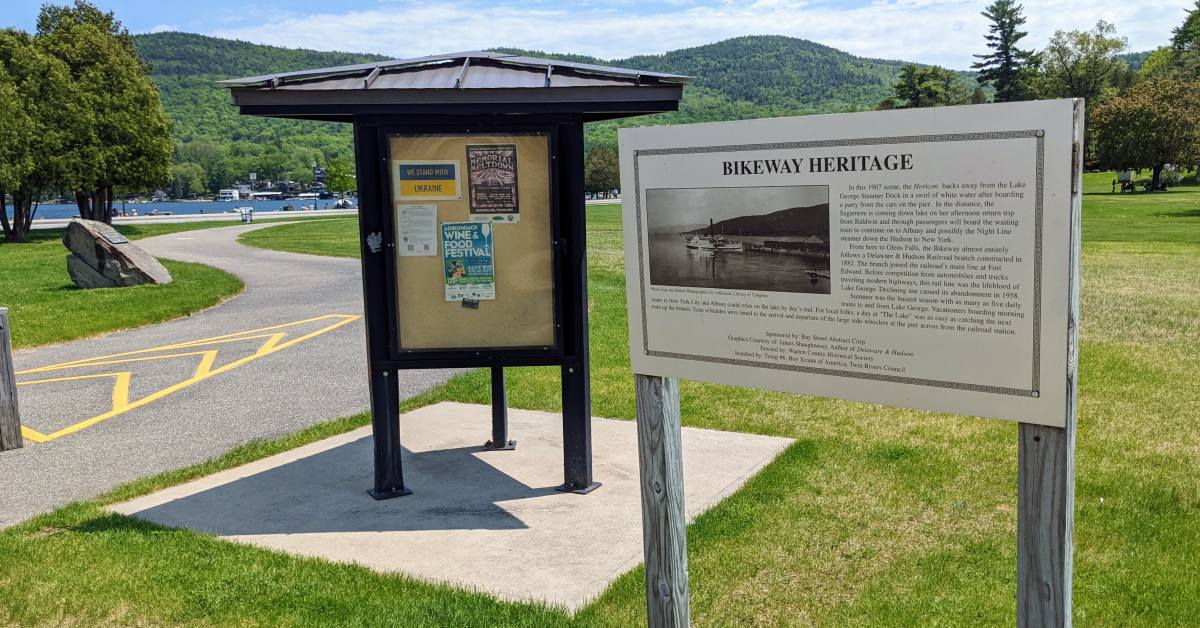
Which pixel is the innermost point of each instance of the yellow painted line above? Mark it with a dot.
(206, 363)
(192, 343)
(32, 434)
(204, 370)
(120, 392)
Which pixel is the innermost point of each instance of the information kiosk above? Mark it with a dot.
(471, 216)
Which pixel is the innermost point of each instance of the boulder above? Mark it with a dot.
(103, 258)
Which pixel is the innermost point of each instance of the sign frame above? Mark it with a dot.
(674, 155)
(411, 358)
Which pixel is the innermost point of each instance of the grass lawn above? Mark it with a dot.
(45, 306)
(336, 236)
(875, 516)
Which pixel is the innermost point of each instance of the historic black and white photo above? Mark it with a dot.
(773, 238)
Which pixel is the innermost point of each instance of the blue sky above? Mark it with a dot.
(944, 32)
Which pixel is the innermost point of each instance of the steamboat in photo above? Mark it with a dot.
(772, 239)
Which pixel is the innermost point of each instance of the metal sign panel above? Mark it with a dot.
(919, 258)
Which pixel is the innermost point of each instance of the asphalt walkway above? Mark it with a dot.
(287, 353)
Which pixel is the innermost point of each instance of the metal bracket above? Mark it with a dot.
(509, 446)
(571, 488)
(381, 495)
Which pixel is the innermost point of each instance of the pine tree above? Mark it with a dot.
(1006, 65)
(1186, 36)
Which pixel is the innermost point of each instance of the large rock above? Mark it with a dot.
(103, 258)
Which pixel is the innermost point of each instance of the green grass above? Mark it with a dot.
(45, 306)
(875, 516)
(336, 236)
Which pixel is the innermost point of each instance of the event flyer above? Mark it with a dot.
(467, 261)
(417, 227)
(917, 258)
(492, 182)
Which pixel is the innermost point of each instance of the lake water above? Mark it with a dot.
(673, 264)
(177, 208)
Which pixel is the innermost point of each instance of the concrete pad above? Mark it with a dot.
(485, 520)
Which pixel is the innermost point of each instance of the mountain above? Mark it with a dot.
(1135, 59)
(745, 77)
(795, 221)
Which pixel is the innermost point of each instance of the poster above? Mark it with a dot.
(467, 261)
(416, 227)
(427, 179)
(492, 182)
(919, 258)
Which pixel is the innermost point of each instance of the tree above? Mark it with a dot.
(1160, 63)
(1185, 43)
(929, 86)
(1006, 66)
(205, 153)
(339, 177)
(1155, 123)
(1081, 64)
(187, 179)
(601, 171)
(1186, 36)
(130, 145)
(38, 115)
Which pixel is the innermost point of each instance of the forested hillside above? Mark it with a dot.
(745, 77)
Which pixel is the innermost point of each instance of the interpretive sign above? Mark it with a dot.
(492, 182)
(416, 227)
(467, 261)
(919, 258)
(112, 235)
(427, 180)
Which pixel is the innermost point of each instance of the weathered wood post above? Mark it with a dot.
(10, 417)
(1046, 463)
(1045, 519)
(664, 520)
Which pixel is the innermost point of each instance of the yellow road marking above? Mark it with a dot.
(204, 370)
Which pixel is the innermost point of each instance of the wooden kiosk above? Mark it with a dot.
(471, 216)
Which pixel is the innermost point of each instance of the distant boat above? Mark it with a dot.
(713, 242)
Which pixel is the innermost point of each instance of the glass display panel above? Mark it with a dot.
(473, 240)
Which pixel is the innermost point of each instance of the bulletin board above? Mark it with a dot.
(473, 177)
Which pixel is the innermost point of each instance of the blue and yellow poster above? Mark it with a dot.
(427, 180)
(467, 261)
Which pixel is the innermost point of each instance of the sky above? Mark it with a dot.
(942, 32)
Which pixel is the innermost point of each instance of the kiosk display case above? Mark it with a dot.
(471, 217)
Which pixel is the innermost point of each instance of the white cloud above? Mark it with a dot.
(162, 28)
(944, 32)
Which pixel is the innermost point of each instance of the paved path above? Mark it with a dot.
(146, 219)
(289, 352)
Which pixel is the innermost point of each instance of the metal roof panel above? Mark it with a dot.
(505, 71)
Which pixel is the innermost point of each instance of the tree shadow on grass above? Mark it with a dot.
(1186, 213)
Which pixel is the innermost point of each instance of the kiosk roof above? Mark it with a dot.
(459, 83)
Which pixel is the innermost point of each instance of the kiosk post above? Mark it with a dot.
(576, 389)
(499, 413)
(385, 390)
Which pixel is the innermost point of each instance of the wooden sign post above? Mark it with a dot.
(1046, 464)
(664, 520)
(10, 417)
(922, 259)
